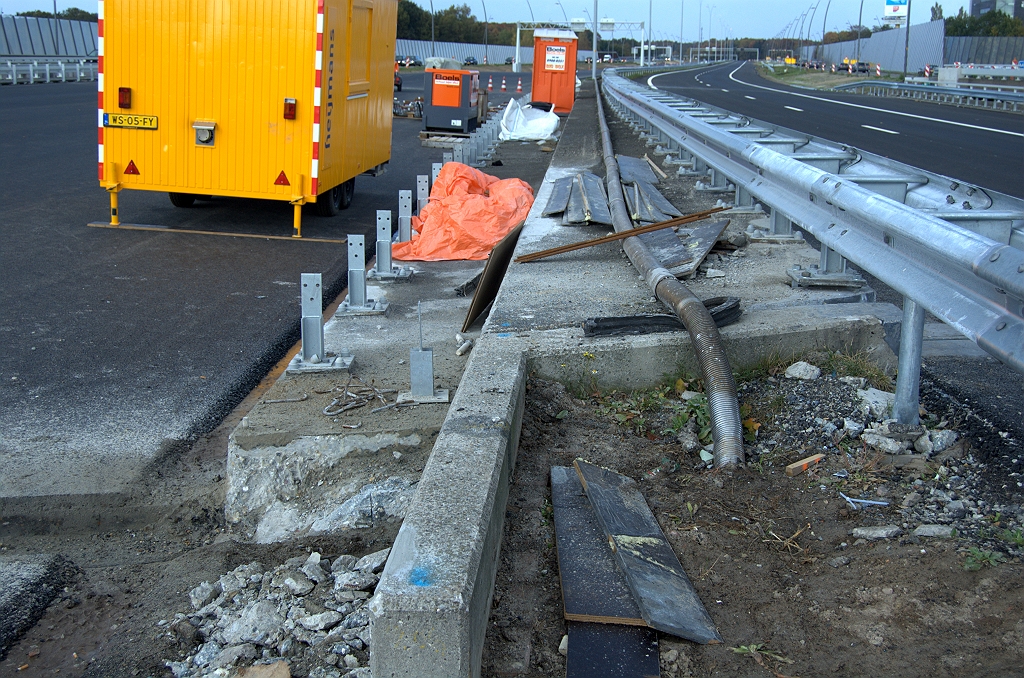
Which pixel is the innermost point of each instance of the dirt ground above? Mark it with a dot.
(771, 556)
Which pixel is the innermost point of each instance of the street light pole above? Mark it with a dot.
(431, 27)
(593, 65)
(681, 7)
(906, 43)
(860, 27)
(486, 29)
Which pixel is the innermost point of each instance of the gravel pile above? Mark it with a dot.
(309, 612)
(941, 482)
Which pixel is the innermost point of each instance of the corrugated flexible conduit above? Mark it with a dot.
(720, 386)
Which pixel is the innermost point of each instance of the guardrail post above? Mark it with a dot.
(422, 191)
(435, 169)
(907, 407)
(831, 261)
(384, 268)
(459, 153)
(447, 157)
(404, 216)
(356, 270)
(312, 326)
(781, 225)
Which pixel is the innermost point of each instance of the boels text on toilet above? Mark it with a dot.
(554, 57)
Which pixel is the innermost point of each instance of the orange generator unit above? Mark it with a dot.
(554, 68)
(452, 100)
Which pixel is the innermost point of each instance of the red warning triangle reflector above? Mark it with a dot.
(282, 180)
(131, 168)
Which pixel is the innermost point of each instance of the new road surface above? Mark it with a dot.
(981, 147)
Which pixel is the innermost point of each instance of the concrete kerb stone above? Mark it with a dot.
(431, 606)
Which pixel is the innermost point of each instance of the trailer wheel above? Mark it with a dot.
(348, 189)
(182, 199)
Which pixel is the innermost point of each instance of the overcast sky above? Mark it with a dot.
(738, 18)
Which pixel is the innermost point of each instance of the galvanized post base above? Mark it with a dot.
(313, 357)
(358, 301)
(385, 268)
(777, 230)
(830, 272)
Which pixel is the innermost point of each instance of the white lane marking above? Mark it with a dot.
(794, 108)
(879, 129)
(725, 90)
(658, 75)
(747, 96)
(872, 108)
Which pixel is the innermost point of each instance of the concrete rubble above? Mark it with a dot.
(307, 610)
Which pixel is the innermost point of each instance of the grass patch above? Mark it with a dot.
(856, 365)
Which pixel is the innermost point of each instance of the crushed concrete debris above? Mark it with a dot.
(802, 370)
(294, 614)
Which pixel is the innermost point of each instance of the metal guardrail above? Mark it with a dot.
(28, 73)
(952, 249)
(973, 95)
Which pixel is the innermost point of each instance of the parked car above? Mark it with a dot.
(398, 82)
(470, 61)
(509, 61)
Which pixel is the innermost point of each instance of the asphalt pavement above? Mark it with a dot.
(976, 146)
(122, 346)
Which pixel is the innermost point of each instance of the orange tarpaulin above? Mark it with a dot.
(468, 213)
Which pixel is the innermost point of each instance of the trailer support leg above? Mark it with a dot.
(114, 219)
(297, 219)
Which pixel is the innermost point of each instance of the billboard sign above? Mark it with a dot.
(895, 11)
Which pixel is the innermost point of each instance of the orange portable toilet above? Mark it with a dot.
(554, 68)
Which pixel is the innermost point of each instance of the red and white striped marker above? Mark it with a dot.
(1014, 63)
(833, 68)
(490, 83)
(927, 71)
(314, 171)
(878, 70)
(519, 86)
(849, 68)
(99, 81)
(956, 64)
(503, 88)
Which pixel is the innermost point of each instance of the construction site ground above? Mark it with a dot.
(772, 557)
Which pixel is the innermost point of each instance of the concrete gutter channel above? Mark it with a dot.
(295, 473)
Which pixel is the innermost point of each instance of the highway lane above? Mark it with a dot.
(123, 345)
(976, 146)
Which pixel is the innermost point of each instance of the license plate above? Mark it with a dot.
(128, 120)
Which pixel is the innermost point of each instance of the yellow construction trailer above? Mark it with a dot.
(285, 100)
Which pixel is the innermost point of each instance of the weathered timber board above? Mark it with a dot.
(594, 589)
(667, 599)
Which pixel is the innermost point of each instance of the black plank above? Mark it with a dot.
(559, 197)
(597, 199)
(611, 651)
(672, 252)
(657, 200)
(667, 599)
(492, 275)
(594, 589)
(698, 242)
(631, 169)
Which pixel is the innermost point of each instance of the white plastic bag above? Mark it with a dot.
(524, 123)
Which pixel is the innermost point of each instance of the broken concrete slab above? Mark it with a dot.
(877, 532)
(937, 531)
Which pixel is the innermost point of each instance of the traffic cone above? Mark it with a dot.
(490, 84)
(519, 86)
(503, 89)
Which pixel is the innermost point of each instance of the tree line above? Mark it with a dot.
(71, 13)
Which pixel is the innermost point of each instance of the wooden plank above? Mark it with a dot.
(611, 651)
(667, 599)
(594, 589)
(493, 273)
(798, 467)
